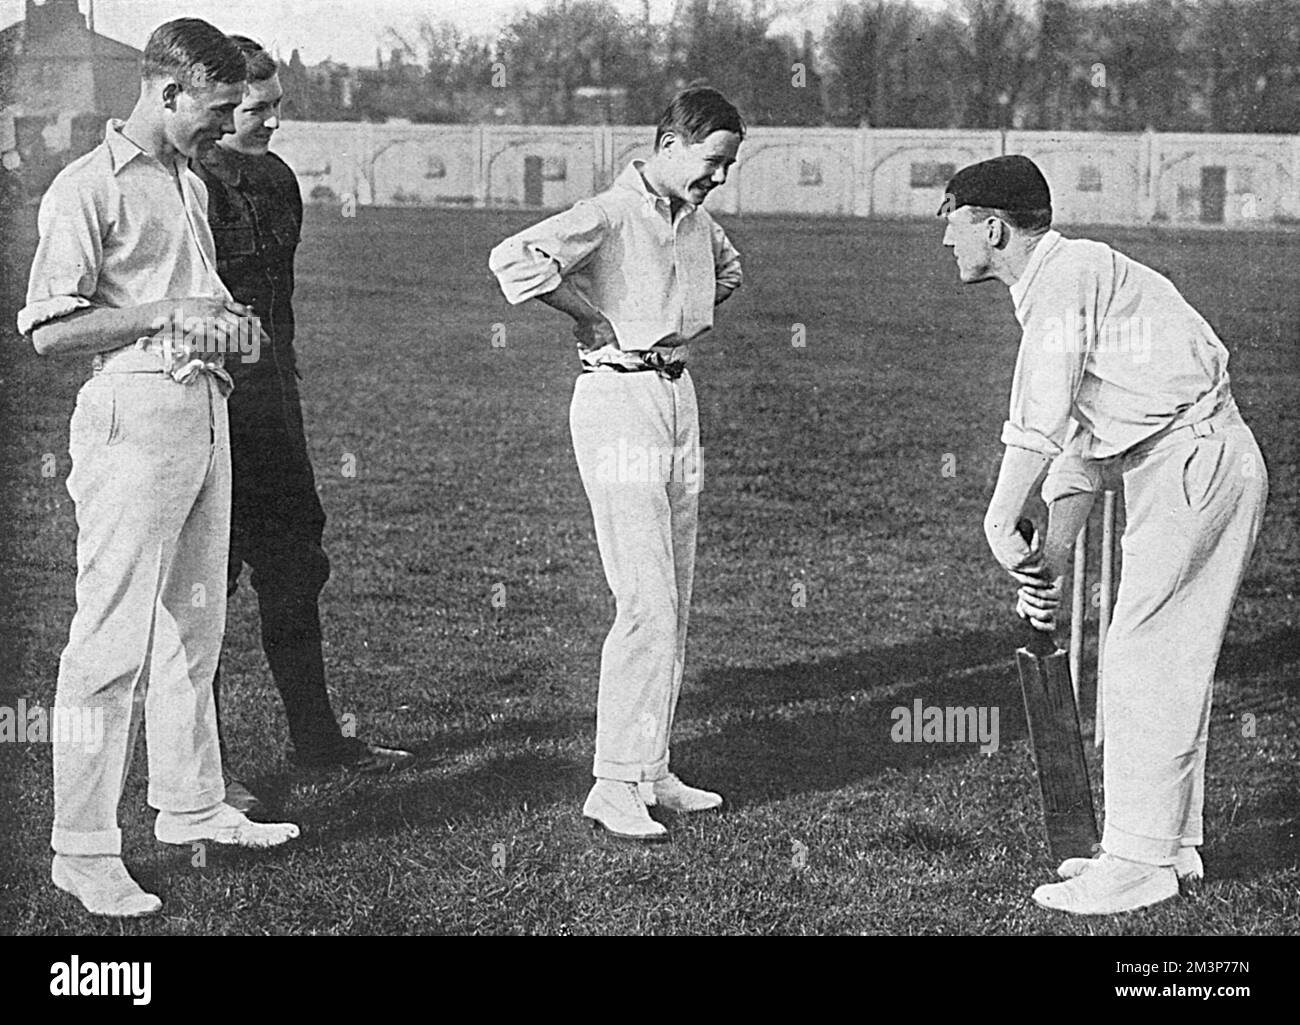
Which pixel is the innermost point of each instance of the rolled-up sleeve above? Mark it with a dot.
(1059, 331)
(1070, 473)
(535, 261)
(65, 271)
(726, 260)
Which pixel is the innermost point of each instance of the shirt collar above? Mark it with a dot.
(120, 149)
(631, 178)
(1045, 245)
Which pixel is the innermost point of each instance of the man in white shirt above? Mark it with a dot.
(125, 271)
(639, 268)
(1118, 383)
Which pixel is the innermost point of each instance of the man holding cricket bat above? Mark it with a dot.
(1118, 383)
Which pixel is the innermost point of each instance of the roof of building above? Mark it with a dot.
(65, 37)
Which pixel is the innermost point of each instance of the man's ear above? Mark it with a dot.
(668, 139)
(171, 90)
(998, 232)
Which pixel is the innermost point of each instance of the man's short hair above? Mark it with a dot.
(698, 112)
(260, 65)
(194, 52)
(1025, 220)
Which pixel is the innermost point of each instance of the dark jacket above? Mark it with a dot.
(255, 212)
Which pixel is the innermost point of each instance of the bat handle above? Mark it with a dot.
(1037, 642)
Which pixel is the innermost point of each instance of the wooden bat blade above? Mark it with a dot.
(1058, 753)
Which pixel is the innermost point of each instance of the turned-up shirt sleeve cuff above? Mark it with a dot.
(33, 315)
(536, 260)
(1015, 436)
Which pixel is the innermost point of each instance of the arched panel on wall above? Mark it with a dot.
(1236, 181)
(430, 166)
(546, 169)
(325, 157)
(1095, 178)
(798, 173)
(908, 170)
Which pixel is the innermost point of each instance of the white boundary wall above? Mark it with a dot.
(1217, 180)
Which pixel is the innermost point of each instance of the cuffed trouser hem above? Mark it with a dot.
(655, 772)
(104, 843)
(617, 770)
(1146, 849)
(185, 800)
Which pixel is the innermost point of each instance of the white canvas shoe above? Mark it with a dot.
(1187, 866)
(616, 806)
(103, 885)
(222, 825)
(1109, 886)
(674, 795)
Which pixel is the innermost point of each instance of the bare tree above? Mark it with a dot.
(998, 60)
(549, 54)
(1247, 55)
(893, 65)
(727, 43)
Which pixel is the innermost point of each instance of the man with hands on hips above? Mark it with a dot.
(1119, 383)
(639, 268)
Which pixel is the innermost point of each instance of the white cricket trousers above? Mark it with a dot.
(637, 441)
(151, 483)
(1193, 506)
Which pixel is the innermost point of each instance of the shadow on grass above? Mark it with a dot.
(795, 729)
(841, 730)
(765, 735)
(1255, 849)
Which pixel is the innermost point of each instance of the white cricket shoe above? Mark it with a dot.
(1187, 866)
(103, 885)
(616, 806)
(672, 794)
(221, 824)
(1109, 886)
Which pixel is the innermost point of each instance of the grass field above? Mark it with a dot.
(825, 467)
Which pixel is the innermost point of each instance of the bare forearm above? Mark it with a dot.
(99, 329)
(1065, 518)
(566, 299)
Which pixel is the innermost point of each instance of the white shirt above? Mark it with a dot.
(1110, 354)
(119, 229)
(653, 278)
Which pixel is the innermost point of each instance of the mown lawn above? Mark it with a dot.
(852, 471)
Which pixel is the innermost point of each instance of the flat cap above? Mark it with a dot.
(1012, 182)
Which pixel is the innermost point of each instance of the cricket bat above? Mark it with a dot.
(1056, 741)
